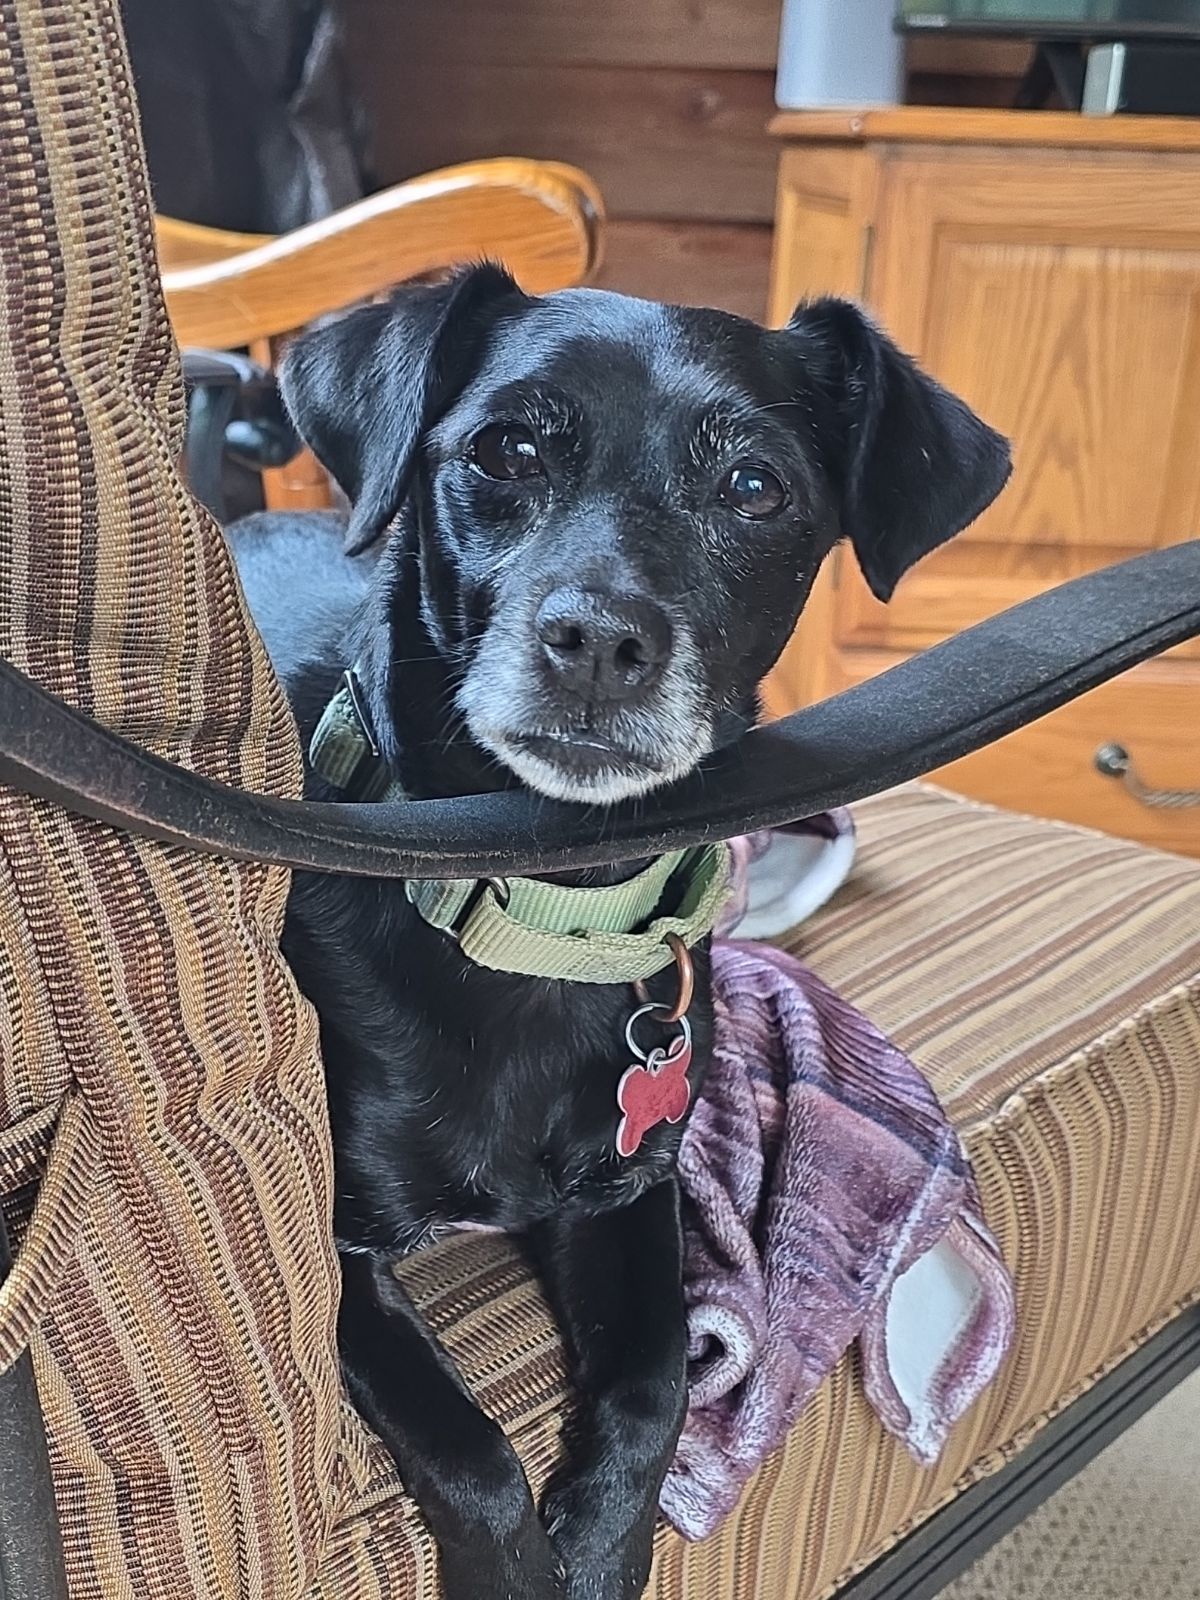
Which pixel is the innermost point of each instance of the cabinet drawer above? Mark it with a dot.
(1048, 769)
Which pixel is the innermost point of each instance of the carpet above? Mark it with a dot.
(1126, 1528)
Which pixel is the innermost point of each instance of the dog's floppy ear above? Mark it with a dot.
(363, 390)
(912, 464)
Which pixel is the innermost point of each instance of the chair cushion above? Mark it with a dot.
(1048, 981)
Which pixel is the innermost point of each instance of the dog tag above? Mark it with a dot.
(655, 1089)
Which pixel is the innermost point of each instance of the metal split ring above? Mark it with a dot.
(645, 1011)
(687, 981)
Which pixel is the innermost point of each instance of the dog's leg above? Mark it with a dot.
(615, 1281)
(455, 1462)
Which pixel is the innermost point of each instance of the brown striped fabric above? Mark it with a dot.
(164, 1156)
(158, 1074)
(1048, 980)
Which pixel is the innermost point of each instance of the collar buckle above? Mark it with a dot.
(344, 750)
(354, 691)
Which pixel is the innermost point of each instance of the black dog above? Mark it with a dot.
(607, 517)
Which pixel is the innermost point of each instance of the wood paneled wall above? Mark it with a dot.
(664, 102)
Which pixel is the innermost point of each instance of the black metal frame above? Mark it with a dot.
(31, 1565)
(934, 707)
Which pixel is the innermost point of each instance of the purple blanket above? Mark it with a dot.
(827, 1200)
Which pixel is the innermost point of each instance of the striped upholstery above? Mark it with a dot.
(1048, 981)
(178, 1264)
(164, 1155)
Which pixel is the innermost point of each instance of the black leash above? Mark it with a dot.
(952, 699)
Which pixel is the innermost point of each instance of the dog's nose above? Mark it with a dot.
(605, 646)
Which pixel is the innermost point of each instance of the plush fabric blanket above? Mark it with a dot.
(828, 1201)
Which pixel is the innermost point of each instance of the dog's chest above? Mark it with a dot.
(460, 1095)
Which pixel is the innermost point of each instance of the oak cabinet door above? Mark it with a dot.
(1059, 294)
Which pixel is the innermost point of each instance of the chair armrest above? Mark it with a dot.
(541, 219)
(932, 708)
(191, 244)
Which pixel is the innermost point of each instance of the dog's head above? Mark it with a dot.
(620, 506)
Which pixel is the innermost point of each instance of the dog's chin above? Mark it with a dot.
(581, 768)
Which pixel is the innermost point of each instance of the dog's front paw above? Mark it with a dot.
(523, 1570)
(602, 1562)
(622, 1581)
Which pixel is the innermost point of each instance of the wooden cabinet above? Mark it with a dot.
(1047, 268)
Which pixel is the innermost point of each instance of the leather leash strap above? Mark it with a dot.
(985, 682)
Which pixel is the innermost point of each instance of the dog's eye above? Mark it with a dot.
(505, 451)
(752, 491)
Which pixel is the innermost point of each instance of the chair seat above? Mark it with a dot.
(1048, 982)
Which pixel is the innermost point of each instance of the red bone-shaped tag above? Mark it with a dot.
(654, 1093)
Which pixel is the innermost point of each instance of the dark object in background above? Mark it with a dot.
(1146, 77)
(236, 427)
(1056, 19)
(249, 124)
(247, 113)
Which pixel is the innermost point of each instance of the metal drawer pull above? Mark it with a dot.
(1114, 761)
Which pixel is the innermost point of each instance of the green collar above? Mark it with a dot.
(613, 934)
(343, 748)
